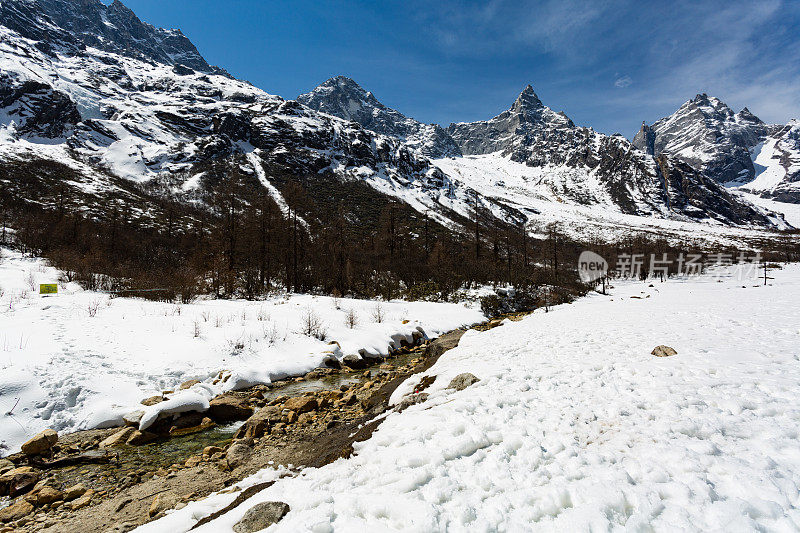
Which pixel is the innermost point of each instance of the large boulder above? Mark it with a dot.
(40, 443)
(118, 438)
(237, 455)
(301, 404)
(20, 509)
(355, 362)
(261, 516)
(663, 351)
(229, 408)
(448, 341)
(259, 424)
(18, 481)
(462, 381)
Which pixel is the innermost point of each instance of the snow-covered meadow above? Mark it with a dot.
(575, 426)
(83, 359)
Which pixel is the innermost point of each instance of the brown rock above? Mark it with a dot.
(138, 438)
(48, 495)
(118, 438)
(301, 404)
(193, 461)
(152, 400)
(663, 351)
(18, 510)
(82, 502)
(237, 455)
(162, 502)
(228, 408)
(189, 384)
(18, 481)
(259, 424)
(211, 450)
(40, 443)
(75, 491)
(350, 398)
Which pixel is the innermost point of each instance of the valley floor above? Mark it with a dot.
(82, 359)
(574, 425)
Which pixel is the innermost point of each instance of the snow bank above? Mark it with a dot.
(67, 370)
(575, 426)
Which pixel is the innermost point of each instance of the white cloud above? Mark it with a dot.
(622, 82)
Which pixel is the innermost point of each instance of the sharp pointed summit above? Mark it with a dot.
(342, 97)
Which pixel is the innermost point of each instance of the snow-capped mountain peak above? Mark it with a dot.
(342, 97)
(731, 148)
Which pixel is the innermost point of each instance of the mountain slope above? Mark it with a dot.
(94, 89)
(736, 149)
(344, 98)
(579, 165)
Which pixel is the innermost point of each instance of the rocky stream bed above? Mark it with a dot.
(116, 479)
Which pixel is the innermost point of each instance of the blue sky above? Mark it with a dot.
(607, 64)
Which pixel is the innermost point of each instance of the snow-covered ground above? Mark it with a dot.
(61, 367)
(575, 426)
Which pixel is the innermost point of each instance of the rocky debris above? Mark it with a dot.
(462, 381)
(40, 443)
(124, 527)
(261, 516)
(229, 408)
(43, 496)
(237, 455)
(18, 481)
(301, 404)
(5, 466)
(15, 511)
(133, 419)
(663, 351)
(75, 491)
(355, 362)
(118, 438)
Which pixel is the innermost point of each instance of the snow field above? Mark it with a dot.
(575, 426)
(82, 359)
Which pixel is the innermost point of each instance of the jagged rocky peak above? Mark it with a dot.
(527, 119)
(342, 97)
(645, 139)
(705, 133)
(72, 25)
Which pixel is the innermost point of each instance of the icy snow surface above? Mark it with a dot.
(73, 371)
(574, 426)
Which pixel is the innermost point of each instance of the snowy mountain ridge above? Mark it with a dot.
(119, 102)
(735, 149)
(344, 98)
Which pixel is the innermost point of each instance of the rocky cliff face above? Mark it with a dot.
(344, 98)
(708, 135)
(731, 148)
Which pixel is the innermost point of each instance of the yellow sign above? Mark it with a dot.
(48, 288)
